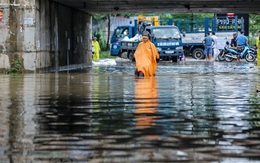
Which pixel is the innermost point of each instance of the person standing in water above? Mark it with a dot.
(257, 42)
(208, 43)
(146, 57)
(96, 46)
(215, 47)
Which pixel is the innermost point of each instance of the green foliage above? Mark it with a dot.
(254, 26)
(251, 41)
(101, 39)
(193, 16)
(16, 67)
(106, 54)
(98, 17)
(98, 21)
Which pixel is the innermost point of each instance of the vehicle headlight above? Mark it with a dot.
(159, 49)
(179, 48)
(114, 46)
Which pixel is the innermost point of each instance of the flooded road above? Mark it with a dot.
(188, 112)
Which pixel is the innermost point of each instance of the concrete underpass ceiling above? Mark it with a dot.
(164, 6)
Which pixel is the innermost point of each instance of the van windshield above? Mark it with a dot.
(166, 33)
(121, 32)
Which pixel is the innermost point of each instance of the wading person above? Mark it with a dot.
(96, 46)
(215, 47)
(208, 43)
(146, 56)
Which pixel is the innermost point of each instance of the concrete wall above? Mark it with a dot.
(4, 33)
(44, 35)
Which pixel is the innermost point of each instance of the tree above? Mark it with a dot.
(254, 27)
(98, 20)
(98, 24)
(108, 31)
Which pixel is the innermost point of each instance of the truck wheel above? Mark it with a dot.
(175, 59)
(198, 53)
(131, 56)
(123, 55)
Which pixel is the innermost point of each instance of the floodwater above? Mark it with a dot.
(188, 112)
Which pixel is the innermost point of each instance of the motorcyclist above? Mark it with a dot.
(233, 41)
(241, 39)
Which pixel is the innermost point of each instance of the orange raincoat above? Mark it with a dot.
(145, 58)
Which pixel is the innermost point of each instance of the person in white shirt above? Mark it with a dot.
(215, 47)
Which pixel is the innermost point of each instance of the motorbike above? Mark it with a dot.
(243, 52)
(221, 56)
(254, 49)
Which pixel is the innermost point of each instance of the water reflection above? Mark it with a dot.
(192, 112)
(146, 102)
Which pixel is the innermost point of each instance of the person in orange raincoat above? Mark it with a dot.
(146, 56)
